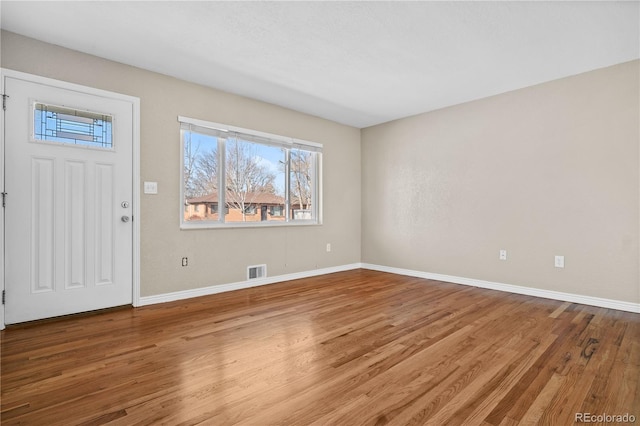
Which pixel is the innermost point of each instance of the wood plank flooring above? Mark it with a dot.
(351, 348)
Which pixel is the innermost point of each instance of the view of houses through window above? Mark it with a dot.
(254, 178)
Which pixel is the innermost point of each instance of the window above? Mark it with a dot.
(260, 179)
(277, 211)
(69, 126)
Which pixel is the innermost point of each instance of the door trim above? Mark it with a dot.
(135, 101)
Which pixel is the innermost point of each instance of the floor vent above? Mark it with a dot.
(256, 271)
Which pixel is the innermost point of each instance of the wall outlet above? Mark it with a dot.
(185, 261)
(503, 255)
(559, 262)
(328, 247)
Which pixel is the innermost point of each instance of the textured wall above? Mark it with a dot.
(216, 256)
(550, 169)
(543, 171)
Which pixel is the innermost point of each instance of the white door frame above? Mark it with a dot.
(135, 167)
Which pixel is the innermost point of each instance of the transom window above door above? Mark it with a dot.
(58, 124)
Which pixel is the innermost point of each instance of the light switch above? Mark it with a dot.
(151, 187)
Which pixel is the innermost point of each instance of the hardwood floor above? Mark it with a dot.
(352, 348)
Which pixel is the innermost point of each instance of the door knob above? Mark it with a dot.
(125, 219)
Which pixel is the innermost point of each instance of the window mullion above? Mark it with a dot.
(287, 186)
(315, 188)
(222, 180)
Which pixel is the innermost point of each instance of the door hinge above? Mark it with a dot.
(4, 102)
(4, 199)
(4, 296)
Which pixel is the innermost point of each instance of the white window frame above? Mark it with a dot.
(217, 129)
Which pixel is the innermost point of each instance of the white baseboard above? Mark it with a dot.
(529, 291)
(214, 289)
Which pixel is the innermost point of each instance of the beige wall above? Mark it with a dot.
(550, 169)
(216, 256)
(543, 171)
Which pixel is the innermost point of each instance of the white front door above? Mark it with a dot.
(68, 212)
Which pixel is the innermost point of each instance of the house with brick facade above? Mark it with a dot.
(258, 206)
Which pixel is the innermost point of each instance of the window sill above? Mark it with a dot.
(237, 225)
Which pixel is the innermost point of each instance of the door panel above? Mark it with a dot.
(75, 232)
(67, 250)
(42, 226)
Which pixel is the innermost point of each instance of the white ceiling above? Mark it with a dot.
(358, 63)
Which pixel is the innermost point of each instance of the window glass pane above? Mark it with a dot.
(301, 173)
(200, 177)
(70, 126)
(255, 181)
(232, 178)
